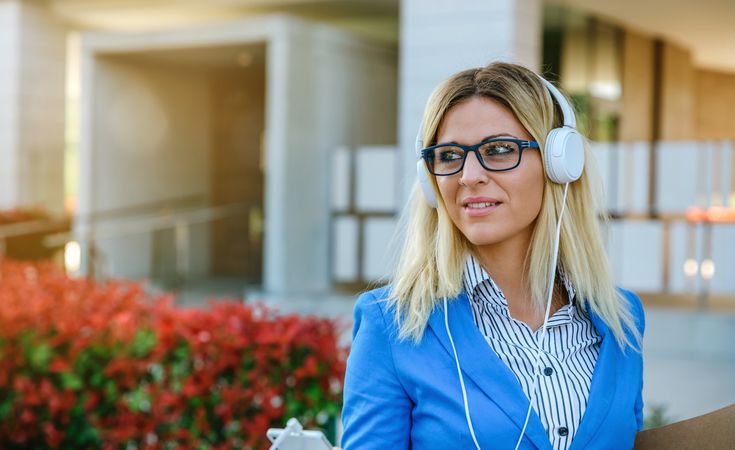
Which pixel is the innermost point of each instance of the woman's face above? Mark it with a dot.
(517, 193)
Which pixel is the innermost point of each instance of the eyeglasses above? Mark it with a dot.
(495, 155)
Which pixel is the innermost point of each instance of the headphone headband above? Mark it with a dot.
(566, 109)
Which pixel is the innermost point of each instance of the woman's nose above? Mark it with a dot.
(473, 172)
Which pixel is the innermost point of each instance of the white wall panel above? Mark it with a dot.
(377, 259)
(376, 179)
(635, 254)
(723, 255)
(344, 249)
(682, 175)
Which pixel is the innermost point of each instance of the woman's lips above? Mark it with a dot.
(480, 208)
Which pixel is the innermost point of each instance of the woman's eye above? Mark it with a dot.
(503, 149)
(449, 155)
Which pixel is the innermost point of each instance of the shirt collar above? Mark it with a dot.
(480, 286)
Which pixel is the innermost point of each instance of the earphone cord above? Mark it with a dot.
(461, 379)
(536, 371)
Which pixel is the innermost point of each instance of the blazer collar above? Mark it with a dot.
(480, 364)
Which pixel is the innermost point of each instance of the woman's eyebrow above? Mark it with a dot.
(492, 136)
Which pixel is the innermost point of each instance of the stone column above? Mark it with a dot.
(32, 98)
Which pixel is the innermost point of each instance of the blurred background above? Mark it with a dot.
(263, 150)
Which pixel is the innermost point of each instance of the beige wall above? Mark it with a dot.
(715, 94)
(150, 142)
(238, 122)
(677, 94)
(32, 76)
(637, 102)
(695, 103)
(151, 138)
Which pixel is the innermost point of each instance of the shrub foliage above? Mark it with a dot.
(103, 365)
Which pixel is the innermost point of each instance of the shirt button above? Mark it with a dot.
(563, 431)
(548, 371)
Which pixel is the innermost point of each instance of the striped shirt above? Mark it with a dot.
(568, 357)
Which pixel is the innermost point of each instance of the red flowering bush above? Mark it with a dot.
(89, 365)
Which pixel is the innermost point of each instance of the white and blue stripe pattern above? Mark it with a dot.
(567, 361)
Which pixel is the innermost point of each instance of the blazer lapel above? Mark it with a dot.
(605, 379)
(480, 363)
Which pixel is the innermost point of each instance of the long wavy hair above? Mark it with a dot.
(431, 263)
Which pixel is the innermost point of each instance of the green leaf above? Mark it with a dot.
(313, 393)
(70, 381)
(39, 356)
(96, 379)
(6, 406)
(111, 390)
(143, 342)
(139, 400)
(195, 402)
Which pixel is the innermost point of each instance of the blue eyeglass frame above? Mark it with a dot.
(427, 153)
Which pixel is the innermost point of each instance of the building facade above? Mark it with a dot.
(269, 145)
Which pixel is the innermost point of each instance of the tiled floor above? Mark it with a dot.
(689, 361)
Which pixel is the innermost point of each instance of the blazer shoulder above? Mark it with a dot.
(379, 293)
(374, 306)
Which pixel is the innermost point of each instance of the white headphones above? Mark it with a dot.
(563, 152)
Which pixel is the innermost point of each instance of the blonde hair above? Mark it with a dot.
(431, 264)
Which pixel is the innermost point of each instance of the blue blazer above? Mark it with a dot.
(400, 395)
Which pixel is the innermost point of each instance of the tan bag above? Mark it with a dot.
(712, 431)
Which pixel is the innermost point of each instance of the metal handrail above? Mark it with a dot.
(175, 203)
(90, 232)
(26, 227)
(146, 224)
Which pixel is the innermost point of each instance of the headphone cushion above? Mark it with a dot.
(426, 185)
(564, 155)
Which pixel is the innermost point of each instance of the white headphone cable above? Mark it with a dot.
(539, 344)
(461, 379)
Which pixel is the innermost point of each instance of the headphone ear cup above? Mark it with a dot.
(564, 155)
(427, 186)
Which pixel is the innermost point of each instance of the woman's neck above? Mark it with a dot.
(505, 262)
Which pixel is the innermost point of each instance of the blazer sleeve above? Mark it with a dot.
(640, 318)
(377, 410)
(639, 407)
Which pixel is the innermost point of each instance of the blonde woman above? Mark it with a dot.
(501, 327)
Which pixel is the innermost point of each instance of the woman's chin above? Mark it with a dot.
(484, 239)
(482, 236)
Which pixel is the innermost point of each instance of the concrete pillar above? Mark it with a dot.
(328, 90)
(32, 75)
(441, 37)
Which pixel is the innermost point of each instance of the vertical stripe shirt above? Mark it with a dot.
(568, 356)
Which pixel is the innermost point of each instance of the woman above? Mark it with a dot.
(448, 355)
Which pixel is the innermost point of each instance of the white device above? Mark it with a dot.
(563, 151)
(294, 437)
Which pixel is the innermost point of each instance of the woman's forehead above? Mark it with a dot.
(476, 119)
